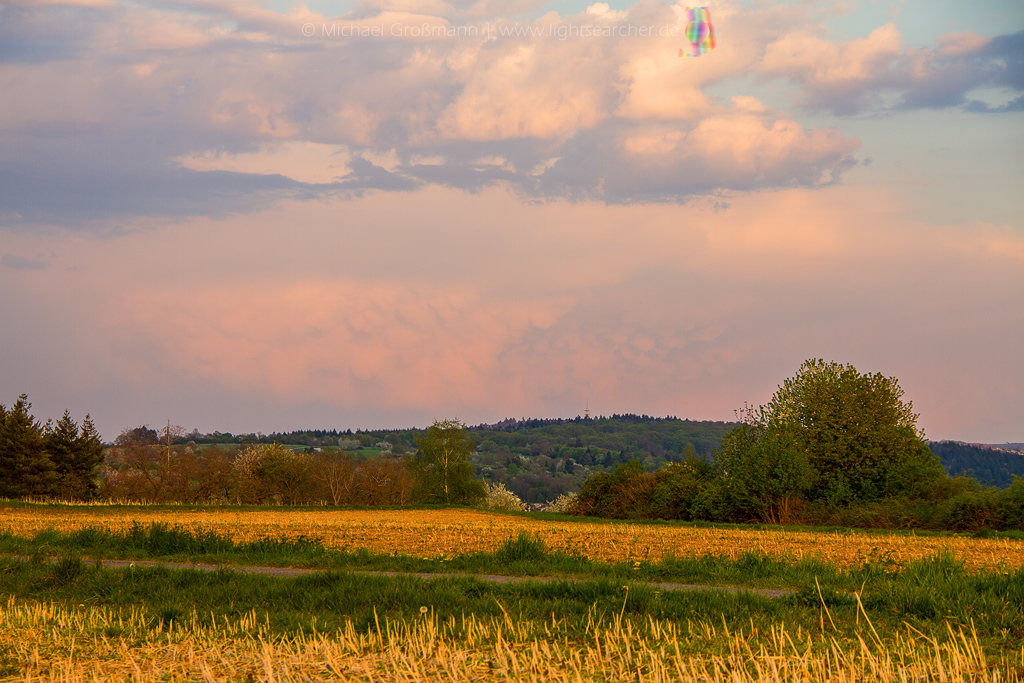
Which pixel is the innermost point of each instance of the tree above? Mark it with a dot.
(337, 474)
(441, 470)
(623, 493)
(765, 468)
(76, 455)
(143, 470)
(859, 438)
(273, 473)
(25, 466)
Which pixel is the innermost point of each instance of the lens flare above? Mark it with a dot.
(699, 33)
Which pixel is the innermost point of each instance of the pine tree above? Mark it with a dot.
(59, 442)
(90, 457)
(76, 454)
(25, 466)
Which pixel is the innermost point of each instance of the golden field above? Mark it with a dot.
(48, 642)
(434, 533)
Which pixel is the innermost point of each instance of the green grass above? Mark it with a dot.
(925, 595)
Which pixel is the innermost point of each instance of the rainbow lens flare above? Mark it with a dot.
(699, 35)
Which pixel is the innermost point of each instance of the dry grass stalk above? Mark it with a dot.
(52, 643)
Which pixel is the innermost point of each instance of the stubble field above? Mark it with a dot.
(928, 620)
(444, 533)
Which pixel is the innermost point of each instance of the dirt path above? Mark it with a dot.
(286, 572)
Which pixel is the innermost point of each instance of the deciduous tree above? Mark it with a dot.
(441, 469)
(829, 434)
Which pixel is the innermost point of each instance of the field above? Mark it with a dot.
(934, 607)
(433, 533)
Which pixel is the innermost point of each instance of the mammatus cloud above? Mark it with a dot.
(655, 308)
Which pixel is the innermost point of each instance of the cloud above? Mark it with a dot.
(73, 197)
(341, 340)
(877, 72)
(15, 262)
(119, 111)
(483, 306)
(304, 162)
(207, 109)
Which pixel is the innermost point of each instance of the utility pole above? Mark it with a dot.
(168, 444)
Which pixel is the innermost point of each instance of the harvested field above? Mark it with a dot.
(444, 533)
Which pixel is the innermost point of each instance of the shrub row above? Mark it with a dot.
(697, 491)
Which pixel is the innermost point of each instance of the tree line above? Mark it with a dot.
(140, 467)
(833, 446)
(47, 460)
(537, 459)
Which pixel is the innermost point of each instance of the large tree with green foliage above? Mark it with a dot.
(441, 469)
(829, 434)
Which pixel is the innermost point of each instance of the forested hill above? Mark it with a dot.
(541, 458)
(537, 458)
(637, 436)
(991, 466)
(641, 435)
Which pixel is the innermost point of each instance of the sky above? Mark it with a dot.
(252, 216)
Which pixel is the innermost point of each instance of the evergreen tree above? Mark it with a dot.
(76, 454)
(25, 466)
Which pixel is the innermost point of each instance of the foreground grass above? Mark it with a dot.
(942, 608)
(927, 619)
(522, 555)
(51, 642)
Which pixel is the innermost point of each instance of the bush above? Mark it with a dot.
(624, 493)
(500, 498)
(972, 511)
(564, 504)
(1011, 505)
(271, 473)
(679, 488)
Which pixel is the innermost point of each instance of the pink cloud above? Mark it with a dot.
(826, 64)
(412, 308)
(878, 72)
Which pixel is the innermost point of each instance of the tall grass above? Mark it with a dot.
(50, 642)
